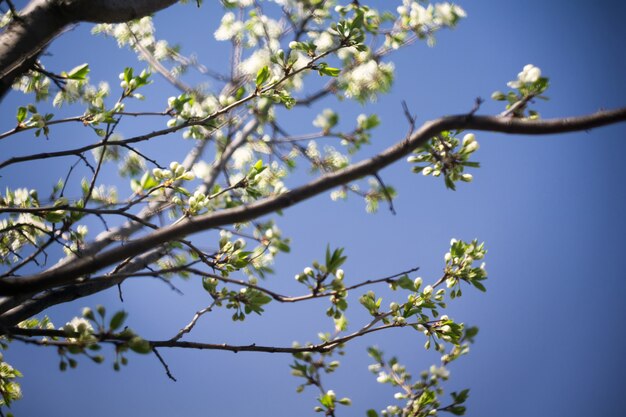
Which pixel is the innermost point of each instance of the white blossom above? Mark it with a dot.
(440, 372)
(160, 50)
(242, 157)
(255, 62)
(324, 42)
(229, 28)
(529, 75)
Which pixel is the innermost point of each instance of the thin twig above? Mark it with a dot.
(167, 368)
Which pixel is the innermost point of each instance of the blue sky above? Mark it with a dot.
(550, 209)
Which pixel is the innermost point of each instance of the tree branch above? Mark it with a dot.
(80, 267)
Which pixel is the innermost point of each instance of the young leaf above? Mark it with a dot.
(262, 76)
(21, 114)
(117, 320)
(79, 72)
(330, 71)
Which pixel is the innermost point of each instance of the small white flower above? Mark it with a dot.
(324, 42)
(440, 371)
(374, 368)
(529, 75)
(160, 50)
(229, 27)
(201, 169)
(242, 157)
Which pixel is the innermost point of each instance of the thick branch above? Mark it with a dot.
(80, 267)
(42, 20)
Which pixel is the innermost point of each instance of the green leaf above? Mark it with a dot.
(406, 283)
(330, 71)
(117, 320)
(262, 76)
(371, 413)
(449, 183)
(358, 20)
(478, 285)
(21, 114)
(457, 410)
(128, 74)
(79, 72)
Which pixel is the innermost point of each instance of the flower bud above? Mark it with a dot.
(189, 176)
(498, 95)
(469, 138)
(418, 282)
(339, 274)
